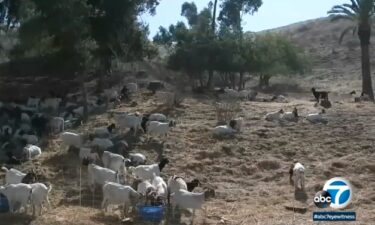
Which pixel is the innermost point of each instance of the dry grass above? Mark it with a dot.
(249, 171)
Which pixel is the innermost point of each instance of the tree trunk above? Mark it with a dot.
(241, 81)
(201, 79)
(84, 95)
(213, 28)
(213, 24)
(364, 33)
(210, 77)
(233, 81)
(100, 84)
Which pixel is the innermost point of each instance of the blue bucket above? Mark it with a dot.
(4, 205)
(151, 213)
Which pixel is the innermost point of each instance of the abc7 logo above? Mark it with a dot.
(337, 193)
(322, 199)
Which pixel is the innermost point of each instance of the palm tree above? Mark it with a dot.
(361, 13)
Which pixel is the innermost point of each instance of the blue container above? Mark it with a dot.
(4, 206)
(151, 213)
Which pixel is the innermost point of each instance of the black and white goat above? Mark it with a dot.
(291, 116)
(13, 176)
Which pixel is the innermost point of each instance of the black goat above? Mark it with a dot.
(320, 94)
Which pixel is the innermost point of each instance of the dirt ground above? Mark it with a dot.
(249, 171)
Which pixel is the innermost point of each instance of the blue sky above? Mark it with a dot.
(273, 13)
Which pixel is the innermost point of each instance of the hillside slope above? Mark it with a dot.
(335, 66)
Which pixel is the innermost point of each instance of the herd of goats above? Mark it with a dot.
(125, 177)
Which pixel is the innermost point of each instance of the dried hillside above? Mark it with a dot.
(335, 66)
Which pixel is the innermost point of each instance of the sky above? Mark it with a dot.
(272, 14)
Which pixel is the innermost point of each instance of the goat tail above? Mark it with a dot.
(49, 188)
(4, 169)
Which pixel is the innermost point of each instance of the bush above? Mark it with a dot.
(226, 111)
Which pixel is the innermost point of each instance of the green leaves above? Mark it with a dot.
(75, 30)
(196, 51)
(273, 54)
(232, 10)
(189, 10)
(360, 12)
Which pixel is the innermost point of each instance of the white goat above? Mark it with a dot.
(317, 117)
(223, 130)
(110, 93)
(187, 200)
(30, 139)
(102, 143)
(125, 121)
(231, 93)
(157, 128)
(98, 175)
(114, 162)
(160, 186)
(52, 103)
(297, 176)
(117, 194)
(57, 124)
(85, 153)
(33, 102)
(274, 116)
(25, 118)
(157, 117)
(146, 189)
(176, 183)
(71, 104)
(137, 158)
(39, 195)
(17, 194)
(279, 99)
(32, 151)
(146, 172)
(104, 132)
(248, 95)
(72, 139)
(78, 111)
(132, 87)
(25, 127)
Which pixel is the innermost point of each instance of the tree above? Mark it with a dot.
(232, 11)
(231, 18)
(116, 30)
(200, 50)
(272, 55)
(190, 12)
(361, 13)
(163, 37)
